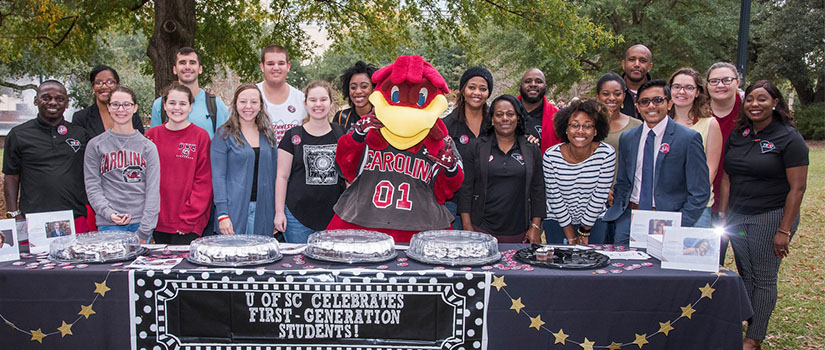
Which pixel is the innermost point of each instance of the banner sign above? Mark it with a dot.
(317, 309)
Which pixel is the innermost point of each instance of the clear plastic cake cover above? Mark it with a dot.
(454, 247)
(234, 250)
(350, 246)
(96, 247)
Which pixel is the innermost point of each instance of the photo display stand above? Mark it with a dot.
(45, 227)
(649, 222)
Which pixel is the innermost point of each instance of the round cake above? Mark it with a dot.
(234, 250)
(454, 247)
(93, 247)
(350, 246)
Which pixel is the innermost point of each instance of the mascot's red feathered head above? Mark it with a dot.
(408, 99)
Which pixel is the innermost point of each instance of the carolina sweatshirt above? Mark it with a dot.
(122, 176)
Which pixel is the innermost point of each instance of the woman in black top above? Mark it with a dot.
(766, 166)
(356, 85)
(496, 165)
(470, 116)
(95, 118)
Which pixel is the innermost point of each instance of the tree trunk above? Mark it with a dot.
(175, 25)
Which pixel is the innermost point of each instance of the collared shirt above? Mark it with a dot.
(659, 130)
(49, 160)
(757, 164)
(506, 176)
(532, 124)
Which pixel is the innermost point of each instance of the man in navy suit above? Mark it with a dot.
(662, 165)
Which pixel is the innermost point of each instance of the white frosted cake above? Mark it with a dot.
(350, 246)
(234, 250)
(95, 247)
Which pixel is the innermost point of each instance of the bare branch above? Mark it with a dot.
(502, 8)
(66, 34)
(18, 87)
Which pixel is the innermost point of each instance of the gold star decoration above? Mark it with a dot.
(560, 337)
(587, 344)
(498, 282)
(86, 310)
(707, 291)
(720, 273)
(65, 329)
(517, 305)
(100, 288)
(614, 346)
(536, 322)
(640, 340)
(38, 336)
(665, 328)
(687, 311)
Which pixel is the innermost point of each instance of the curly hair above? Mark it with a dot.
(359, 67)
(594, 109)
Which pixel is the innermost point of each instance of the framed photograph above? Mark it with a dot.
(45, 227)
(691, 248)
(9, 248)
(648, 222)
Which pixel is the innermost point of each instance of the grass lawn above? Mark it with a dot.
(798, 322)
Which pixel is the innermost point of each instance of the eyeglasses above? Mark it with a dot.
(716, 81)
(688, 88)
(586, 127)
(107, 83)
(657, 101)
(125, 105)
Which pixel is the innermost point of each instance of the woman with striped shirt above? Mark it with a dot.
(578, 174)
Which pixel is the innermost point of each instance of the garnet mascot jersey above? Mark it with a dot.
(394, 190)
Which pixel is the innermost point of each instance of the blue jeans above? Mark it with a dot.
(127, 227)
(453, 208)
(296, 232)
(555, 234)
(250, 219)
(704, 219)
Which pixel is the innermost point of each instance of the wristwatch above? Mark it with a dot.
(12, 214)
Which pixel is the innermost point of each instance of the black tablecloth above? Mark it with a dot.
(565, 308)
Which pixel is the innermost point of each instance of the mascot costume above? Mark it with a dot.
(400, 160)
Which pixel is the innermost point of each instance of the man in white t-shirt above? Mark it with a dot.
(284, 103)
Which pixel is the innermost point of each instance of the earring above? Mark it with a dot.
(773, 108)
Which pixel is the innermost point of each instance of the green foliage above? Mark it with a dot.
(787, 44)
(810, 120)
(679, 33)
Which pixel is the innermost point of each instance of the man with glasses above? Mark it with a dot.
(43, 160)
(636, 66)
(208, 111)
(662, 165)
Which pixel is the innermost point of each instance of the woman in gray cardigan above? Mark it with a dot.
(244, 163)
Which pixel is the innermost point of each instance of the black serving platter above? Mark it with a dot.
(565, 258)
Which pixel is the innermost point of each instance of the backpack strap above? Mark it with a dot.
(212, 110)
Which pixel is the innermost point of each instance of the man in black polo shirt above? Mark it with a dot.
(43, 160)
(636, 64)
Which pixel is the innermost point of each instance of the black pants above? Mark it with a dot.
(174, 238)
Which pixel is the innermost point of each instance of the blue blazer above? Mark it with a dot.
(680, 182)
(232, 169)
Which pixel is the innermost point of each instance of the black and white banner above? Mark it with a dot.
(309, 309)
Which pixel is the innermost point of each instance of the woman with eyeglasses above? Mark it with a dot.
(122, 172)
(689, 98)
(766, 170)
(502, 174)
(578, 174)
(96, 118)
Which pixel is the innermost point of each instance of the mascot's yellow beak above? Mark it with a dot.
(405, 127)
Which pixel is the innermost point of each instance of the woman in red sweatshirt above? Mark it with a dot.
(185, 171)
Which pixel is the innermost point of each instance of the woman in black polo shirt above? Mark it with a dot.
(496, 166)
(766, 166)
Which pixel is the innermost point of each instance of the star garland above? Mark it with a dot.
(640, 339)
(66, 328)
